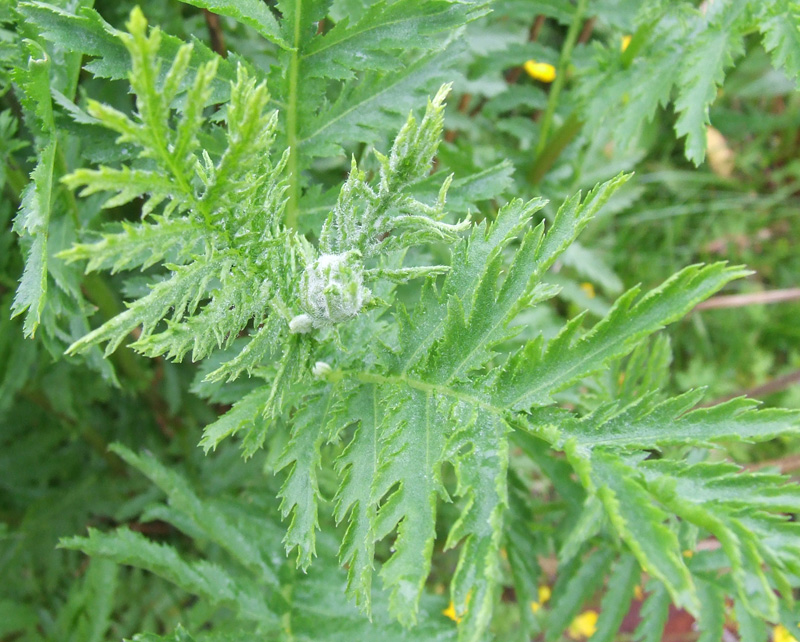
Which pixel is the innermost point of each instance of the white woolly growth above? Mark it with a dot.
(301, 324)
(321, 369)
(332, 289)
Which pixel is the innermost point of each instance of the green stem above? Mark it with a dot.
(72, 205)
(561, 75)
(430, 388)
(291, 123)
(16, 180)
(563, 136)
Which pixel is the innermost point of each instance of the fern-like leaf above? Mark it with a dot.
(536, 372)
(33, 219)
(782, 35)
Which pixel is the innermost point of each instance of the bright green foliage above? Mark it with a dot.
(248, 581)
(639, 495)
(249, 12)
(84, 31)
(677, 48)
(34, 216)
(436, 395)
(403, 373)
(622, 583)
(781, 35)
(210, 253)
(655, 610)
(535, 373)
(48, 295)
(361, 108)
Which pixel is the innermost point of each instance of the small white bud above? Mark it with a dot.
(321, 369)
(301, 324)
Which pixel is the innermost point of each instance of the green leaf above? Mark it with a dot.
(357, 468)
(716, 500)
(523, 548)
(384, 29)
(178, 295)
(243, 416)
(642, 425)
(228, 312)
(622, 100)
(750, 627)
(86, 32)
(704, 70)
(467, 340)
(300, 491)
(481, 466)
(212, 522)
(781, 28)
(253, 13)
(641, 525)
(573, 590)
(587, 526)
(138, 245)
(711, 622)
(617, 599)
(654, 614)
(412, 434)
(536, 372)
(372, 105)
(409, 160)
(89, 608)
(231, 292)
(16, 616)
(33, 220)
(467, 191)
(201, 578)
(469, 261)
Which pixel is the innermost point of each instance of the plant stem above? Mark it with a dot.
(561, 73)
(72, 205)
(753, 298)
(764, 390)
(215, 33)
(291, 123)
(16, 180)
(563, 136)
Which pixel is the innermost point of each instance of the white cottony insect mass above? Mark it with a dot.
(332, 288)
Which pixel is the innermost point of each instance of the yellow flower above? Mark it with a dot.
(544, 597)
(626, 40)
(584, 625)
(780, 634)
(688, 554)
(638, 592)
(589, 289)
(450, 612)
(540, 71)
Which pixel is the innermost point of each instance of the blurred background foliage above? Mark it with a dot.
(58, 415)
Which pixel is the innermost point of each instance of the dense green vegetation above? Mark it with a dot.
(346, 319)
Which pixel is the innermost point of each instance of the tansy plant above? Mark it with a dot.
(381, 346)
